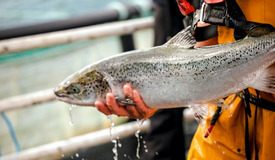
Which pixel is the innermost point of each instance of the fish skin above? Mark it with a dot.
(172, 75)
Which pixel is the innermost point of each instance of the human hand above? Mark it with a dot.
(140, 111)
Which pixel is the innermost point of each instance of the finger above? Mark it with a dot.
(143, 110)
(128, 91)
(102, 108)
(133, 113)
(114, 107)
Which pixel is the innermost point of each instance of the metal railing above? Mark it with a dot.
(26, 100)
(76, 143)
(72, 35)
(30, 99)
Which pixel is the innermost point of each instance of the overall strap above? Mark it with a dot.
(265, 104)
(258, 102)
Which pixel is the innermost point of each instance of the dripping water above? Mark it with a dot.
(138, 143)
(70, 113)
(127, 157)
(112, 135)
(219, 147)
(138, 138)
(230, 114)
(145, 146)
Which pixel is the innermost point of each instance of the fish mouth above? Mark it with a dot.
(61, 96)
(59, 93)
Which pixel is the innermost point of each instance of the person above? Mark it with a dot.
(237, 134)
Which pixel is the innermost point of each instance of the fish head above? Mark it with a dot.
(83, 88)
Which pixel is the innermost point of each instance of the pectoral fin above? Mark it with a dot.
(219, 102)
(200, 112)
(266, 80)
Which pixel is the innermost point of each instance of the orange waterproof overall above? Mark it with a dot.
(227, 139)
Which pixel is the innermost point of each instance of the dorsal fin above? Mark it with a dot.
(183, 39)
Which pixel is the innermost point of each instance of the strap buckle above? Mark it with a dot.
(201, 13)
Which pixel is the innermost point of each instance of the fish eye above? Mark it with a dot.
(73, 89)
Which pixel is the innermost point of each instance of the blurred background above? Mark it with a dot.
(27, 74)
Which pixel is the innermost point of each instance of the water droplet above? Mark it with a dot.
(77, 155)
(114, 150)
(137, 133)
(145, 147)
(219, 147)
(157, 153)
(71, 123)
(119, 144)
(72, 157)
(62, 155)
(113, 141)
